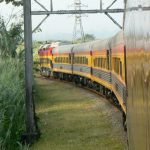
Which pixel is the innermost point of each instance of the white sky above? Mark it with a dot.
(61, 26)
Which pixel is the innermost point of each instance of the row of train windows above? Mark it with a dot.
(81, 60)
(100, 62)
(62, 60)
(117, 66)
(45, 60)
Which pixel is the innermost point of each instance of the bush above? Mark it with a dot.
(12, 103)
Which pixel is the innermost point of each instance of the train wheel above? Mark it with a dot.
(76, 80)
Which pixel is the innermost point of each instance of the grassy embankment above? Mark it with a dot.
(12, 107)
(73, 119)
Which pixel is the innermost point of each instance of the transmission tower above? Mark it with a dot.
(78, 32)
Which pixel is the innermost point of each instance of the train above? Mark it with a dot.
(117, 67)
(99, 64)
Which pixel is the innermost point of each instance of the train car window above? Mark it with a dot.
(99, 62)
(95, 61)
(80, 60)
(64, 59)
(108, 67)
(77, 60)
(74, 60)
(69, 58)
(85, 61)
(102, 63)
(117, 66)
(105, 63)
(120, 68)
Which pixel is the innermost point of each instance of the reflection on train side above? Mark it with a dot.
(137, 33)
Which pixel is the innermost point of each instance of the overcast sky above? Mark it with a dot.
(61, 26)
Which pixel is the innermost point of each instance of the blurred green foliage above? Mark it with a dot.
(14, 2)
(12, 103)
(10, 38)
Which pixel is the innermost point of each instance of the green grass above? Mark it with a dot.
(73, 119)
(12, 107)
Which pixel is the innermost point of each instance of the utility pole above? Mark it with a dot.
(30, 112)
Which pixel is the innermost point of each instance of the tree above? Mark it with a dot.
(89, 37)
(14, 2)
(10, 38)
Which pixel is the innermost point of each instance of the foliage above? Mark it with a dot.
(12, 107)
(9, 38)
(14, 2)
(87, 38)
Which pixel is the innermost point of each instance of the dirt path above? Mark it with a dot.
(72, 118)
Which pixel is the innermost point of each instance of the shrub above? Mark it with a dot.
(12, 103)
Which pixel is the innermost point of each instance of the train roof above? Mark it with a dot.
(46, 46)
(63, 49)
(82, 47)
(117, 39)
(101, 45)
